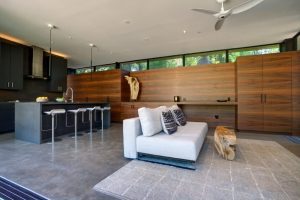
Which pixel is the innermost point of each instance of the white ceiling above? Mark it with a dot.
(155, 28)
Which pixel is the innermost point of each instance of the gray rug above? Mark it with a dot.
(262, 170)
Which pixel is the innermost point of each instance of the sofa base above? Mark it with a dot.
(185, 164)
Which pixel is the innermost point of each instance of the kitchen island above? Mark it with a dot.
(32, 125)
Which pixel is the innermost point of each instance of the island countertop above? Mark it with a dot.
(33, 125)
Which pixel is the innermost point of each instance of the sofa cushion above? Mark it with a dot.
(185, 143)
(150, 120)
(168, 122)
(178, 115)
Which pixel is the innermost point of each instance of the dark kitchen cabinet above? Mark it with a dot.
(11, 66)
(7, 117)
(58, 76)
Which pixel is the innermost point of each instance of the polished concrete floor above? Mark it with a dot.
(73, 169)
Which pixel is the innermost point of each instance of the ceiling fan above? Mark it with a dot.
(223, 14)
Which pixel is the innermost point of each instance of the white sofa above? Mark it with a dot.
(184, 144)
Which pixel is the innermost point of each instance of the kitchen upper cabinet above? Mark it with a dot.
(11, 66)
(58, 76)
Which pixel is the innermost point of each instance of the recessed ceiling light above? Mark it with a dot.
(92, 45)
(70, 37)
(146, 38)
(127, 21)
(184, 31)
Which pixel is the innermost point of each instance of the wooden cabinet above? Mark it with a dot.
(296, 92)
(58, 78)
(277, 83)
(250, 97)
(11, 66)
(264, 93)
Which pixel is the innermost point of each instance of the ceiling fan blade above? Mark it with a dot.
(210, 12)
(219, 24)
(245, 6)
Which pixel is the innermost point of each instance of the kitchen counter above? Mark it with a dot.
(32, 125)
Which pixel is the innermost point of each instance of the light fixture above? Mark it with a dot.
(184, 31)
(50, 26)
(92, 46)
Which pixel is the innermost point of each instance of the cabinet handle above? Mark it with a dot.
(265, 98)
(12, 84)
(7, 84)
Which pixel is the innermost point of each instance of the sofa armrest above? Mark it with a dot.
(131, 129)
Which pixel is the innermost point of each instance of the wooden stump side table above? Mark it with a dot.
(225, 141)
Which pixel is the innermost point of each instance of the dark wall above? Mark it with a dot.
(32, 88)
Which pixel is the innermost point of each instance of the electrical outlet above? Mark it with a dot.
(216, 116)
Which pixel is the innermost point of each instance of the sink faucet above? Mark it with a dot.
(67, 93)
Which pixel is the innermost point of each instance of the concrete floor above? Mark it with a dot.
(71, 173)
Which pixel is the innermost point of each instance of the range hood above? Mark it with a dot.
(38, 70)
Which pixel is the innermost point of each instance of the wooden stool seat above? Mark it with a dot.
(225, 141)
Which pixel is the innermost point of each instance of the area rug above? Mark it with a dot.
(294, 139)
(261, 170)
(12, 191)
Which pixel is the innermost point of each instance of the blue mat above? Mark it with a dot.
(294, 139)
(167, 161)
(12, 191)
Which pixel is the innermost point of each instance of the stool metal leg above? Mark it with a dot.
(91, 121)
(75, 123)
(102, 121)
(52, 132)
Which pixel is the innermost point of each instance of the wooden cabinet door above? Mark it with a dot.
(16, 67)
(58, 79)
(249, 93)
(4, 65)
(277, 83)
(296, 92)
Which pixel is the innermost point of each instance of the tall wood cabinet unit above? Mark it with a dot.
(296, 92)
(264, 89)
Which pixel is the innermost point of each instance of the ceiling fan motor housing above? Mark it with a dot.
(221, 1)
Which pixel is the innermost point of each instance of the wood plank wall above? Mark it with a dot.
(106, 86)
(296, 92)
(198, 83)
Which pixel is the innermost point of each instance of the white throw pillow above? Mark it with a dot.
(150, 120)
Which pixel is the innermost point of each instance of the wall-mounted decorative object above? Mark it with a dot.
(134, 87)
(176, 98)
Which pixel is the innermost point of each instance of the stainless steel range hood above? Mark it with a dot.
(37, 71)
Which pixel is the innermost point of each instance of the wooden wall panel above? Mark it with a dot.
(198, 83)
(106, 86)
(214, 115)
(296, 92)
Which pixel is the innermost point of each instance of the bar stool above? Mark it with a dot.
(82, 110)
(91, 119)
(53, 113)
(102, 110)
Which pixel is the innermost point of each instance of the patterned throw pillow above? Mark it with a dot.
(178, 115)
(168, 123)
